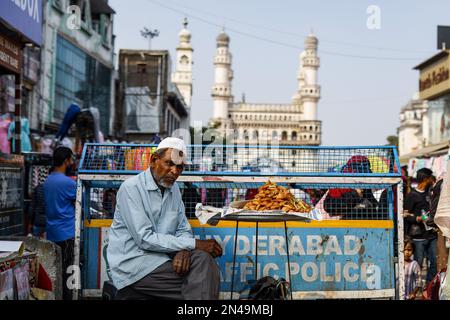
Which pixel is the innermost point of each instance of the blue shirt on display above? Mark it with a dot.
(60, 194)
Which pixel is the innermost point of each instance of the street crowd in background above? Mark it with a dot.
(425, 250)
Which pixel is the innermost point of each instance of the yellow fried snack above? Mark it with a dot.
(273, 197)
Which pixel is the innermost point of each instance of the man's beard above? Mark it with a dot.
(164, 184)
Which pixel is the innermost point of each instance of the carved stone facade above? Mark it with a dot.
(255, 123)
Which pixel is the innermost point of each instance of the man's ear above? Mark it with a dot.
(153, 158)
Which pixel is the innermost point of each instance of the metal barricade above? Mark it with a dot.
(350, 254)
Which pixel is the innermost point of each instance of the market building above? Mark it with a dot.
(150, 105)
(20, 38)
(153, 101)
(424, 132)
(78, 50)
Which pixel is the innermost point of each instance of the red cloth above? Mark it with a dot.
(44, 281)
(348, 168)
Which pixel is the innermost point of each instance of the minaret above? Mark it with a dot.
(308, 92)
(182, 77)
(223, 75)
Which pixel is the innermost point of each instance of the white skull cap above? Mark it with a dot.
(173, 143)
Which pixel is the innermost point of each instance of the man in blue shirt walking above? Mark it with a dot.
(60, 194)
(152, 252)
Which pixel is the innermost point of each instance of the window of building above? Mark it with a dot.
(274, 135)
(246, 135)
(255, 135)
(141, 68)
(294, 135)
(284, 135)
(75, 70)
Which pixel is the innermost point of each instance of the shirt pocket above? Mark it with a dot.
(169, 220)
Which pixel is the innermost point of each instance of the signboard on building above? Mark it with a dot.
(25, 16)
(10, 54)
(435, 78)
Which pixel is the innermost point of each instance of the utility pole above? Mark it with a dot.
(150, 34)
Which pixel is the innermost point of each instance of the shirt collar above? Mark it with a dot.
(150, 182)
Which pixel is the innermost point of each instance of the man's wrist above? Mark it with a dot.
(192, 244)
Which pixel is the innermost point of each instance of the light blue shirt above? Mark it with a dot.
(146, 228)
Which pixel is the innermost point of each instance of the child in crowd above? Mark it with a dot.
(412, 272)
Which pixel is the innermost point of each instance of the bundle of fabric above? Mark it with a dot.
(345, 200)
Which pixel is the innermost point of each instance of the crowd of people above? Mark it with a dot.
(424, 241)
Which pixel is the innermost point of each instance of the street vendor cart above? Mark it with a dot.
(354, 251)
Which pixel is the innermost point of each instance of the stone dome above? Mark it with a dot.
(185, 35)
(223, 39)
(311, 41)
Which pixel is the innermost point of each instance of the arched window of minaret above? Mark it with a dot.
(274, 135)
(310, 128)
(184, 60)
(245, 117)
(236, 134)
(294, 135)
(255, 135)
(284, 135)
(245, 134)
(310, 137)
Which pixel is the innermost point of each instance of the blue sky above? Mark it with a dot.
(366, 74)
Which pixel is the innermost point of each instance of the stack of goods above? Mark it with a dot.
(273, 197)
(138, 158)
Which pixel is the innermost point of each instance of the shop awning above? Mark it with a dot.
(427, 152)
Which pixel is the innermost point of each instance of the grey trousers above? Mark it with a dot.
(201, 283)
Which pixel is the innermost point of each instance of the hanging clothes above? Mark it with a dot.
(24, 135)
(69, 118)
(4, 141)
(46, 146)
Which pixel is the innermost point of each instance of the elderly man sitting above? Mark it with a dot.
(152, 252)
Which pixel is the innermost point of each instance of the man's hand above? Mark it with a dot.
(181, 262)
(210, 246)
